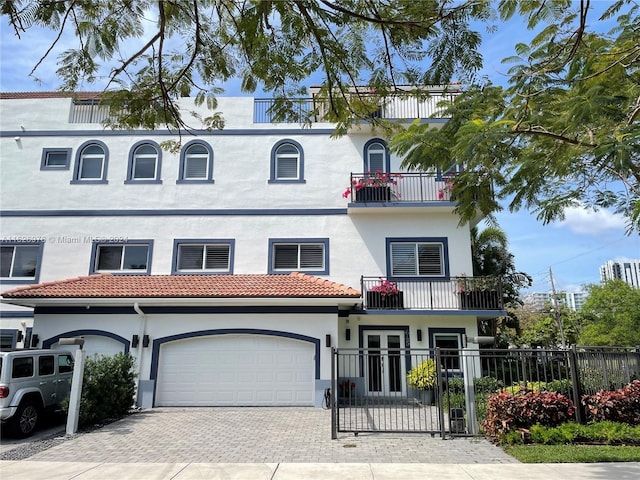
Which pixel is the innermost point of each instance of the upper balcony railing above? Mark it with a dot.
(453, 293)
(395, 107)
(399, 187)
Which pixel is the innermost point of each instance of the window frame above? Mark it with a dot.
(273, 174)
(436, 332)
(183, 162)
(274, 242)
(443, 241)
(366, 151)
(79, 160)
(47, 151)
(177, 243)
(23, 280)
(132, 159)
(95, 247)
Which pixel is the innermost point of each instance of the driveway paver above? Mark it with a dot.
(257, 435)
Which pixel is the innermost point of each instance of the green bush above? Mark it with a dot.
(609, 433)
(108, 388)
(423, 376)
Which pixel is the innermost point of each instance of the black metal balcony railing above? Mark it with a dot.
(454, 293)
(399, 187)
(395, 107)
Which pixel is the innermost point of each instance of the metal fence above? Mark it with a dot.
(371, 392)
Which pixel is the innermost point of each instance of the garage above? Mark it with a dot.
(236, 370)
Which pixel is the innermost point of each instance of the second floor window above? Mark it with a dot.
(309, 256)
(131, 257)
(19, 263)
(192, 256)
(417, 259)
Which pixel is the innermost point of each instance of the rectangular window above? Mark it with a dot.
(22, 367)
(417, 259)
(46, 365)
(55, 159)
(210, 258)
(450, 347)
(65, 363)
(308, 256)
(19, 262)
(132, 257)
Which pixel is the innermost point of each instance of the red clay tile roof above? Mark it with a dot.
(24, 95)
(185, 286)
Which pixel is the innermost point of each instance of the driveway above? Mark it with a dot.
(256, 435)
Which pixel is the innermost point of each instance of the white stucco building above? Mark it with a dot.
(187, 259)
(627, 271)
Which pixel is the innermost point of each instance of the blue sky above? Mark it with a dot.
(574, 248)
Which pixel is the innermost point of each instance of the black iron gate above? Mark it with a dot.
(378, 390)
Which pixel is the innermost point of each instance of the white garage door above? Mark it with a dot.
(241, 370)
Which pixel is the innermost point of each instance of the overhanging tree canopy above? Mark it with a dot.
(565, 132)
(190, 47)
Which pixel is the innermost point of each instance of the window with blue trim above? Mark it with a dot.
(292, 255)
(203, 256)
(127, 257)
(287, 162)
(376, 156)
(144, 163)
(417, 258)
(20, 261)
(196, 163)
(91, 164)
(55, 159)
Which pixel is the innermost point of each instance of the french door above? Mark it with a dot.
(385, 362)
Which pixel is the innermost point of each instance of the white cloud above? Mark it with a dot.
(587, 221)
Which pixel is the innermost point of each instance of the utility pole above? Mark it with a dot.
(556, 308)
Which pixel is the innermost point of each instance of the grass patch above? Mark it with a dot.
(573, 453)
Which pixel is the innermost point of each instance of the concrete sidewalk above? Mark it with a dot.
(34, 470)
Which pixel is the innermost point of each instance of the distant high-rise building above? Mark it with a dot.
(628, 272)
(572, 300)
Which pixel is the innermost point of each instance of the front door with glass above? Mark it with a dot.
(385, 362)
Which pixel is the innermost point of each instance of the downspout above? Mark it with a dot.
(143, 331)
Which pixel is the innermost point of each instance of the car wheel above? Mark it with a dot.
(25, 420)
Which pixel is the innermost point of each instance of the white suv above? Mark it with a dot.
(30, 382)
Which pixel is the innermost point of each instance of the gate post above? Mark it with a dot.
(441, 393)
(332, 395)
(573, 365)
(470, 394)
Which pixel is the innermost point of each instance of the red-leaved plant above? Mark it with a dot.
(507, 412)
(622, 405)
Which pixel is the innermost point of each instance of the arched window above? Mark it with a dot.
(196, 163)
(287, 162)
(376, 156)
(91, 163)
(144, 163)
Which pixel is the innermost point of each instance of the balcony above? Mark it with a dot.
(399, 106)
(453, 293)
(402, 188)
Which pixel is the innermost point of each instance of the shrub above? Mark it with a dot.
(423, 376)
(507, 411)
(622, 405)
(610, 433)
(108, 388)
